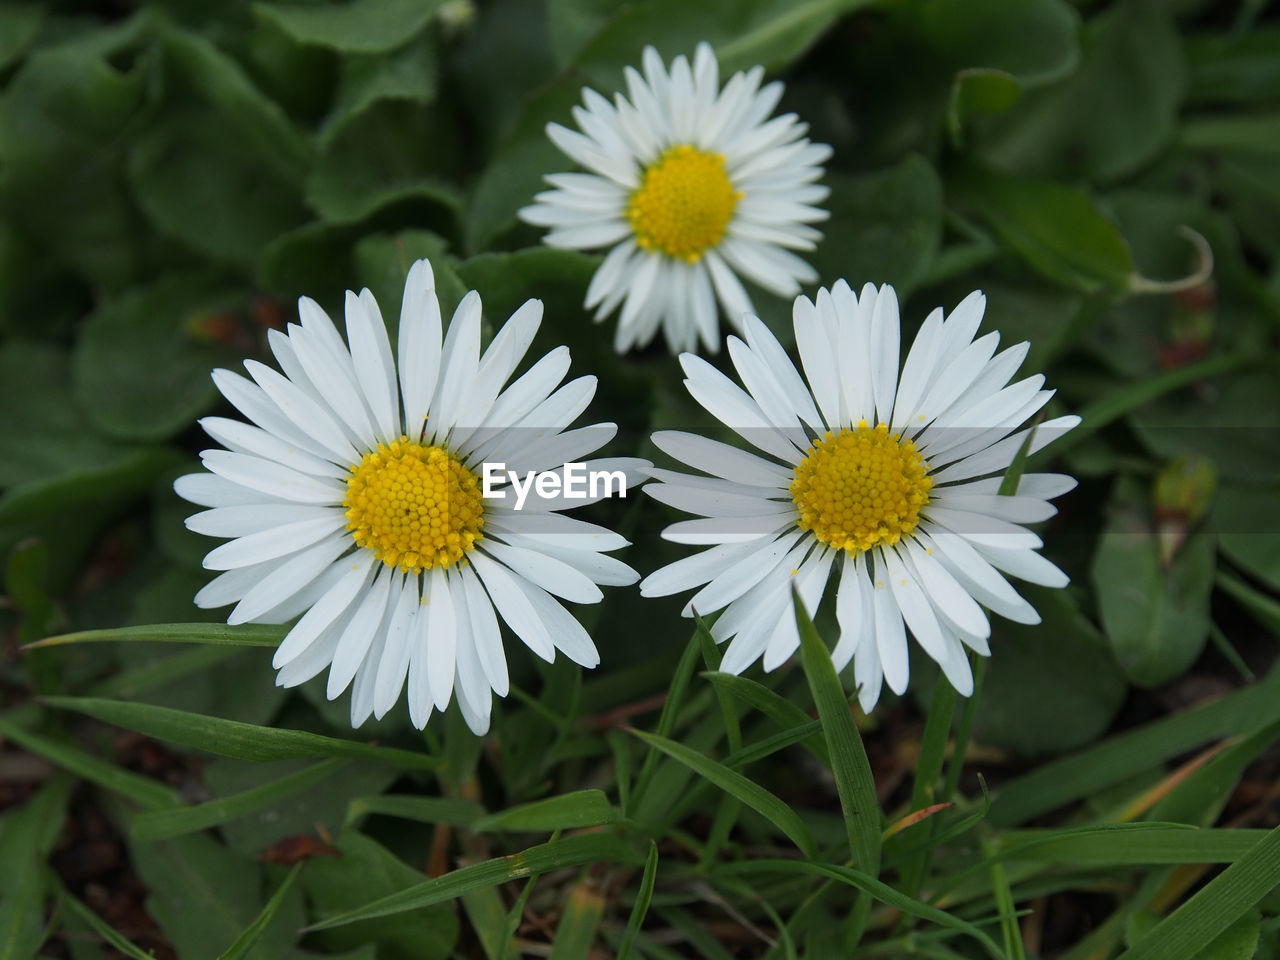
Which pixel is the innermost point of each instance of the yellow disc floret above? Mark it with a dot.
(861, 487)
(683, 204)
(415, 506)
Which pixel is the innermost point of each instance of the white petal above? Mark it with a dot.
(331, 606)
(273, 543)
(419, 346)
(288, 578)
(374, 366)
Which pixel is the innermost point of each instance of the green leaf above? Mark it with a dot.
(735, 784)
(579, 921)
(456, 813)
(385, 155)
(569, 811)
(407, 74)
(27, 835)
(104, 929)
(1039, 674)
(876, 888)
(19, 24)
(231, 738)
(849, 764)
(885, 225)
(1156, 619)
(777, 708)
(743, 32)
(360, 26)
(156, 329)
(1189, 930)
(1145, 844)
(65, 122)
(147, 793)
(367, 870)
(1113, 114)
(218, 168)
(640, 906)
(204, 896)
(1238, 941)
(1118, 758)
(244, 635)
(555, 855)
(245, 943)
(165, 823)
(572, 23)
(1056, 228)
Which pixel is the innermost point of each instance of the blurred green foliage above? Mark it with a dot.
(174, 174)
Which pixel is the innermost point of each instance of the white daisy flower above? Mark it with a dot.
(690, 185)
(355, 501)
(895, 477)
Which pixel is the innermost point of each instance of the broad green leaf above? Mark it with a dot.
(204, 896)
(1113, 114)
(177, 821)
(218, 167)
(245, 635)
(358, 26)
(557, 854)
(60, 123)
(1156, 619)
(382, 263)
(27, 835)
(408, 73)
(736, 785)
(569, 811)
(1056, 228)
(158, 329)
(368, 870)
(849, 764)
(572, 23)
(640, 906)
(386, 155)
(1189, 930)
(147, 793)
(884, 226)
(743, 32)
(1033, 41)
(1238, 942)
(19, 24)
(245, 943)
(978, 91)
(231, 738)
(1039, 674)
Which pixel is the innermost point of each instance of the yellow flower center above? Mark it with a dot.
(861, 487)
(683, 204)
(415, 506)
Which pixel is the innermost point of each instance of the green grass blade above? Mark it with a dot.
(147, 793)
(232, 738)
(1148, 845)
(246, 635)
(576, 931)
(581, 808)
(554, 855)
(1185, 933)
(640, 908)
(854, 782)
(1091, 770)
(870, 885)
(455, 813)
(246, 941)
(103, 929)
(178, 821)
(777, 708)
(667, 718)
(752, 794)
